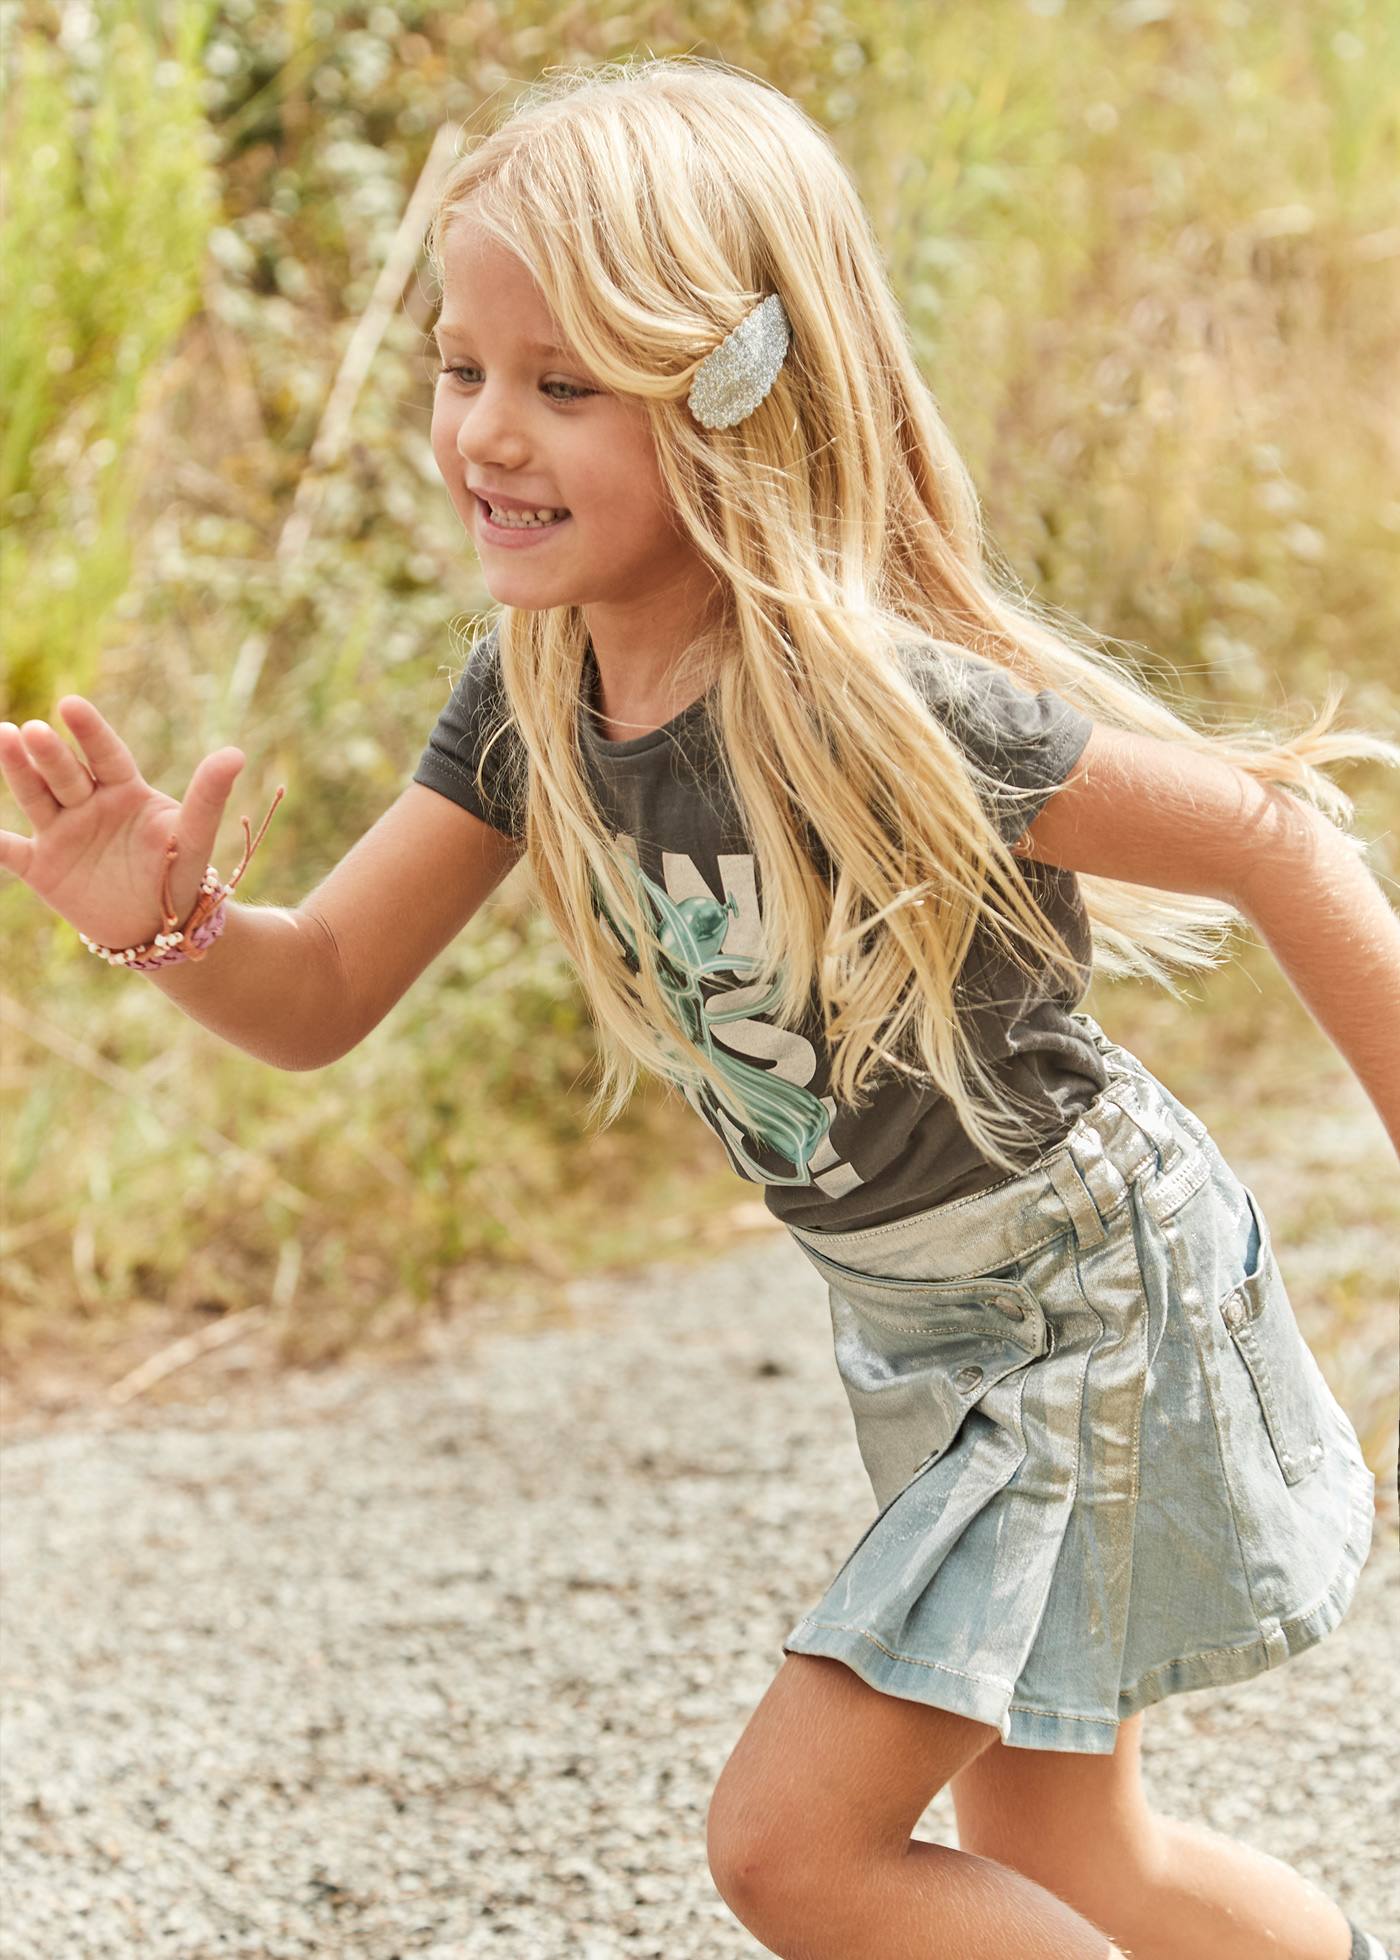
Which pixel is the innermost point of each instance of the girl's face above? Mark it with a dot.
(518, 415)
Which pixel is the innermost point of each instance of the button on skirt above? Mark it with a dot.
(1107, 1465)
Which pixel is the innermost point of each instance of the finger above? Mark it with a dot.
(107, 755)
(67, 775)
(27, 786)
(15, 852)
(203, 807)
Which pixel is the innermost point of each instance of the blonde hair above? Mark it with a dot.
(655, 202)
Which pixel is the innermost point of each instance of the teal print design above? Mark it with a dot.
(782, 1116)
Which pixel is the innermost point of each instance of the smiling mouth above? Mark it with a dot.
(524, 520)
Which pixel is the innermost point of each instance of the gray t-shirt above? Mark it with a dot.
(823, 1166)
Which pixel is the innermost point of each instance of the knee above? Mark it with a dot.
(755, 1864)
(741, 1866)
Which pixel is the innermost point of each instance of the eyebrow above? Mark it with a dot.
(530, 346)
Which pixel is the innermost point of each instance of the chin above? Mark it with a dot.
(500, 591)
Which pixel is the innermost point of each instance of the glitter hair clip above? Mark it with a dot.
(731, 382)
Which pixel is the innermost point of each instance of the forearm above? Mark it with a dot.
(1337, 938)
(269, 984)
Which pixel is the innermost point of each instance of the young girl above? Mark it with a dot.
(836, 828)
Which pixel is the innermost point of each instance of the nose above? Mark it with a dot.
(489, 435)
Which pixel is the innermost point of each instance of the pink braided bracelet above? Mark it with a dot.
(207, 916)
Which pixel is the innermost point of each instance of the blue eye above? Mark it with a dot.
(572, 394)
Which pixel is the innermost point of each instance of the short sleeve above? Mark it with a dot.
(461, 743)
(1021, 744)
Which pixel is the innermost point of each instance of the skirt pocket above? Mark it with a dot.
(1262, 1324)
(917, 1356)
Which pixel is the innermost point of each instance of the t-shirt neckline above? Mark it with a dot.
(634, 744)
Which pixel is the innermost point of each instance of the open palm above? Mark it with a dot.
(100, 830)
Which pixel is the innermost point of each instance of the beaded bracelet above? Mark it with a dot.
(207, 917)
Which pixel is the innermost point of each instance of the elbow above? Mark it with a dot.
(1295, 850)
(309, 1064)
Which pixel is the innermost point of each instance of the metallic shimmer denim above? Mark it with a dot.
(1109, 1469)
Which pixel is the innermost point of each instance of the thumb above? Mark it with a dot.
(203, 807)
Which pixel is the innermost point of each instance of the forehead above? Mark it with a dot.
(487, 287)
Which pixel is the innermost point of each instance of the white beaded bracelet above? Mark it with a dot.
(207, 918)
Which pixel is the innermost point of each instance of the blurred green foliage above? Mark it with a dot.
(110, 196)
(1149, 257)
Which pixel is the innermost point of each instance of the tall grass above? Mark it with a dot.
(109, 201)
(1152, 266)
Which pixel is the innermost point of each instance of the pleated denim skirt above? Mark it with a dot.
(1107, 1465)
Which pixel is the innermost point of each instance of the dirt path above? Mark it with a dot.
(446, 1659)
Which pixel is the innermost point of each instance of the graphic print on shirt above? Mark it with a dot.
(771, 1106)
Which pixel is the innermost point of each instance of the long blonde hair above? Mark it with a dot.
(655, 202)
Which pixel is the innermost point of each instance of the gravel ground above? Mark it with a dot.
(445, 1659)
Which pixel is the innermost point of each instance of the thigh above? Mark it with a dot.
(828, 1766)
(1059, 1818)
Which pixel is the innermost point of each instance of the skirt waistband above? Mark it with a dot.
(1135, 1132)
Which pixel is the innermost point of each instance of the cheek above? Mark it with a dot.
(628, 491)
(442, 436)
(616, 469)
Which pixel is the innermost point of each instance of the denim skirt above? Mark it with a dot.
(1107, 1465)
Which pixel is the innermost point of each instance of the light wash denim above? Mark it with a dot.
(1109, 1468)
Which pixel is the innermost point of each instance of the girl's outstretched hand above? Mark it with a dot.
(100, 831)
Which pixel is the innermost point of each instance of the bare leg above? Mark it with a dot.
(1082, 1826)
(931, 1901)
(1218, 1899)
(809, 1834)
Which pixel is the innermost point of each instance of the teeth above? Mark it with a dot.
(525, 518)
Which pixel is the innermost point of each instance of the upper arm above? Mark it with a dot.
(1153, 812)
(400, 895)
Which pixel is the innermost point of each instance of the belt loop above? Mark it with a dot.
(1158, 1133)
(1078, 1199)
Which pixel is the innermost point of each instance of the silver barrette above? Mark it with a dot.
(731, 382)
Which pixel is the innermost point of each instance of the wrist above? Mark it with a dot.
(175, 943)
(189, 941)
